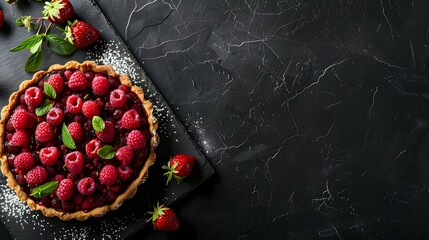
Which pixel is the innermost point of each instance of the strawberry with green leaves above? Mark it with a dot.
(164, 219)
(81, 34)
(58, 11)
(179, 167)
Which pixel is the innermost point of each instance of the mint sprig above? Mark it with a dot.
(44, 189)
(98, 124)
(43, 108)
(67, 138)
(106, 152)
(49, 90)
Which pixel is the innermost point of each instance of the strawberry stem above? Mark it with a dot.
(47, 29)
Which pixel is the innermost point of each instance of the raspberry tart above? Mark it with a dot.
(77, 140)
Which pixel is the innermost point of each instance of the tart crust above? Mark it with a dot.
(129, 192)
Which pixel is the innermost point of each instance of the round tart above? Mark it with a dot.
(77, 140)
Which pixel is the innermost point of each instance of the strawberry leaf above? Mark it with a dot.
(36, 47)
(34, 61)
(106, 152)
(44, 189)
(28, 43)
(98, 124)
(60, 46)
(49, 90)
(43, 108)
(67, 138)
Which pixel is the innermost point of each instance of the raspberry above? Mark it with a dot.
(36, 176)
(108, 134)
(74, 104)
(108, 175)
(89, 75)
(136, 140)
(90, 109)
(33, 96)
(65, 190)
(21, 179)
(49, 156)
(20, 119)
(74, 162)
(20, 139)
(77, 198)
(86, 205)
(92, 148)
(124, 88)
(75, 131)
(68, 74)
(100, 85)
(125, 154)
(117, 98)
(55, 116)
(86, 186)
(57, 82)
(114, 82)
(44, 132)
(56, 203)
(130, 120)
(67, 206)
(24, 161)
(77, 81)
(124, 172)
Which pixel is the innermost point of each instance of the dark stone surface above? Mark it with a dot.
(314, 113)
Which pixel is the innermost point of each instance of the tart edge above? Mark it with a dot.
(129, 192)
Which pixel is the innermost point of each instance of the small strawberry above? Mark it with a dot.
(179, 167)
(58, 11)
(164, 219)
(81, 34)
(1, 19)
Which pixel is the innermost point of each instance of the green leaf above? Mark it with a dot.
(67, 138)
(28, 43)
(34, 61)
(44, 189)
(106, 152)
(20, 21)
(59, 45)
(43, 108)
(98, 124)
(49, 90)
(36, 47)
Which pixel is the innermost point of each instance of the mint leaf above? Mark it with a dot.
(44, 189)
(106, 152)
(59, 45)
(34, 61)
(28, 43)
(43, 108)
(49, 90)
(98, 124)
(67, 138)
(36, 47)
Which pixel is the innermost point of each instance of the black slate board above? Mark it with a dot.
(23, 223)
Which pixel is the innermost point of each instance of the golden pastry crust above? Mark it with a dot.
(129, 192)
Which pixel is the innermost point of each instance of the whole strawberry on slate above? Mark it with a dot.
(81, 34)
(179, 167)
(1, 19)
(58, 11)
(164, 219)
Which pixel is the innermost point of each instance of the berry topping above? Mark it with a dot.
(49, 156)
(118, 98)
(20, 119)
(57, 82)
(36, 176)
(86, 186)
(75, 131)
(55, 116)
(108, 175)
(65, 189)
(125, 154)
(74, 162)
(24, 161)
(124, 172)
(130, 120)
(136, 140)
(90, 109)
(100, 85)
(20, 139)
(92, 148)
(74, 104)
(108, 134)
(33, 96)
(77, 81)
(44, 132)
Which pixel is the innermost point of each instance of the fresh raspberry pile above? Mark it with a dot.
(38, 155)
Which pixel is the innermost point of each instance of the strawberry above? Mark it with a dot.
(81, 34)
(179, 167)
(1, 19)
(164, 219)
(58, 11)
